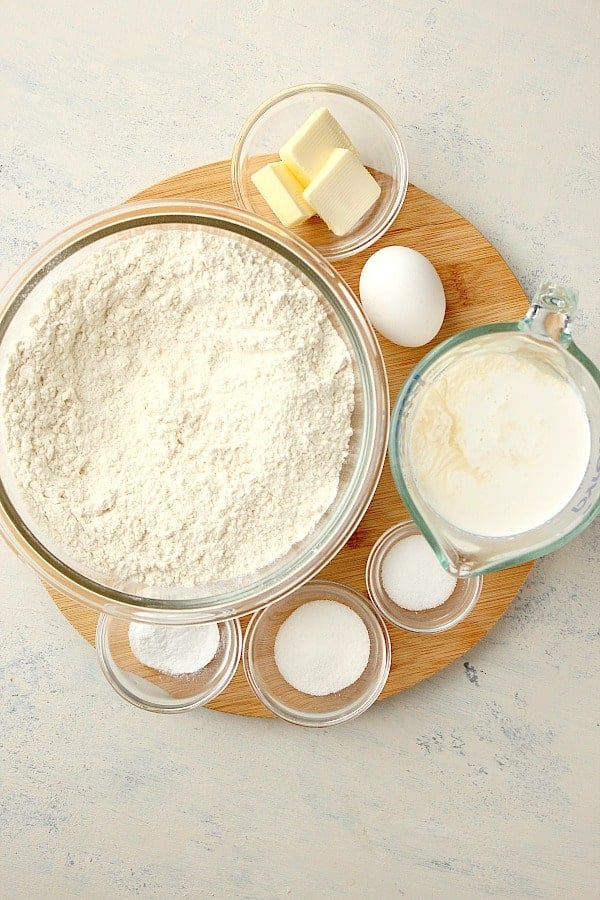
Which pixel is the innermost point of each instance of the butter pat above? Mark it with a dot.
(308, 150)
(283, 193)
(342, 192)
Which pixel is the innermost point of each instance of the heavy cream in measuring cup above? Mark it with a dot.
(499, 443)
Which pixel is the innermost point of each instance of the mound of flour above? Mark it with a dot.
(179, 409)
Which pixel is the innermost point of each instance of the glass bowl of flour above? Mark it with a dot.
(193, 412)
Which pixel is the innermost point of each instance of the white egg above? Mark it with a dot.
(403, 296)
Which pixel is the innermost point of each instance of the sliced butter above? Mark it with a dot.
(342, 192)
(283, 193)
(308, 149)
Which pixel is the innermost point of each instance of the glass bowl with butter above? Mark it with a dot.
(322, 151)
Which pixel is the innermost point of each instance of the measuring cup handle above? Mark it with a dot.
(551, 311)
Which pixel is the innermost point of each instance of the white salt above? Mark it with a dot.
(413, 576)
(322, 648)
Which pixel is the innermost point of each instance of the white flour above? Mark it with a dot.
(179, 411)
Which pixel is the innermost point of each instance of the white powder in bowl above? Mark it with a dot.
(174, 649)
(179, 410)
(413, 577)
(322, 647)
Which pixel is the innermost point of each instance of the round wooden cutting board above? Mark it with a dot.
(479, 288)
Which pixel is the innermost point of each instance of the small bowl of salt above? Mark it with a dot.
(409, 586)
(168, 668)
(319, 657)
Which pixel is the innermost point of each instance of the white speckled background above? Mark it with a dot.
(484, 780)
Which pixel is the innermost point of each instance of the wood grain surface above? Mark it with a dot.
(479, 288)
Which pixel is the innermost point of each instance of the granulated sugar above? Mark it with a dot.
(413, 576)
(179, 411)
(322, 647)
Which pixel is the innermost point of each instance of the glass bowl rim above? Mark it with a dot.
(334, 589)
(229, 604)
(356, 246)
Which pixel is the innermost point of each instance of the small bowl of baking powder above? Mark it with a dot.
(319, 657)
(409, 586)
(168, 668)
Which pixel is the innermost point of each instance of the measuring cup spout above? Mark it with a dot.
(551, 311)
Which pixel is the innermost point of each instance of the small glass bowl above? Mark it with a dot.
(295, 706)
(369, 128)
(427, 621)
(154, 691)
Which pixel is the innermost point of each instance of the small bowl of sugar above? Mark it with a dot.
(409, 586)
(319, 657)
(168, 668)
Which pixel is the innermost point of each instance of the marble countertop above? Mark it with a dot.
(482, 781)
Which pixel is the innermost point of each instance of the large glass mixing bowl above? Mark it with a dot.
(113, 594)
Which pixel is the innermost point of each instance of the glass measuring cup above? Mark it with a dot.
(544, 336)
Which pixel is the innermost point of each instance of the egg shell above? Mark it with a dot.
(403, 296)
